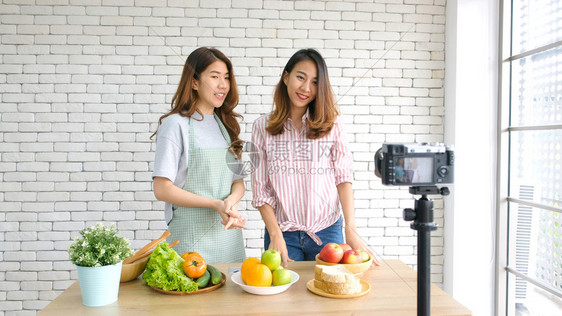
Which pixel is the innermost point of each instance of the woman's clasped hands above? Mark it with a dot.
(228, 210)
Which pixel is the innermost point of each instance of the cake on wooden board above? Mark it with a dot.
(336, 280)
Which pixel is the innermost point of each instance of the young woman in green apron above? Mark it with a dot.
(196, 149)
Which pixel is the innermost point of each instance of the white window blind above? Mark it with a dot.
(534, 250)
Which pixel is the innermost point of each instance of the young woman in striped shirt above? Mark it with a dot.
(304, 172)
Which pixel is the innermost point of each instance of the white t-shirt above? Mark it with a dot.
(172, 147)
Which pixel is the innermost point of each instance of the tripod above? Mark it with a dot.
(422, 215)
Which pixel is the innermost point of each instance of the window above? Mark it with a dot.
(530, 206)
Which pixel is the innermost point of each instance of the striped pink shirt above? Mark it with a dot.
(298, 176)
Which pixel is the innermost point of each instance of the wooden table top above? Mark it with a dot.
(393, 292)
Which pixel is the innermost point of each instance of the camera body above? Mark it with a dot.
(415, 164)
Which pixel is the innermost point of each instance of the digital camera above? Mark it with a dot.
(415, 164)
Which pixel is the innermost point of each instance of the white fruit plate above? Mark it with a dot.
(264, 290)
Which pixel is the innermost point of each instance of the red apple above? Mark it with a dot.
(332, 253)
(345, 247)
(352, 256)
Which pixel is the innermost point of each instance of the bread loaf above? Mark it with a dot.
(336, 280)
(338, 288)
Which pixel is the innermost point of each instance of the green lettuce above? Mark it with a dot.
(164, 270)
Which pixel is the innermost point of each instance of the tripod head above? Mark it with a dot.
(429, 189)
(422, 214)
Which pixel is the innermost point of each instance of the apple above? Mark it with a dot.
(364, 255)
(332, 253)
(345, 247)
(352, 256)
(281, 277)
(271, 258)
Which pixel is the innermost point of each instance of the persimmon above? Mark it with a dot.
(194, 266)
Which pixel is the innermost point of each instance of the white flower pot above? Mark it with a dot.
(99, 285)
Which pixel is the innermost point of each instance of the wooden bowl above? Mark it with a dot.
(131, 271)
(355, 268)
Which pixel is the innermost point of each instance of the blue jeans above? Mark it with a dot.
(302, 248)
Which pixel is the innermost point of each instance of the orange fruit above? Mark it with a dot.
(259, 275)
(189, 253)
(246, 265)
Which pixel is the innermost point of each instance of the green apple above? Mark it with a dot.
(271, 258)
(281, 277)
(364, 255)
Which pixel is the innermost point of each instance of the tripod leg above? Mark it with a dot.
(423, 223)
(424, 273)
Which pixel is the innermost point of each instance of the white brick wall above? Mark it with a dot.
(83, 84)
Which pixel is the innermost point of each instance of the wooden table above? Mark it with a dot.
(393, 292)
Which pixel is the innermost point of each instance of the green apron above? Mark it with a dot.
(199, 229)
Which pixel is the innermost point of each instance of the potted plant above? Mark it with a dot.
(98, 255)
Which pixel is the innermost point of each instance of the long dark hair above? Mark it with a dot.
(322, 111)
(185, 98)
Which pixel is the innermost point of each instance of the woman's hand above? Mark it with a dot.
(231, 218)
(278, 243)
(235, 219)
(353, 239)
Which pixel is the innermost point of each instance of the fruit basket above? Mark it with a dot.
(355, 268)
